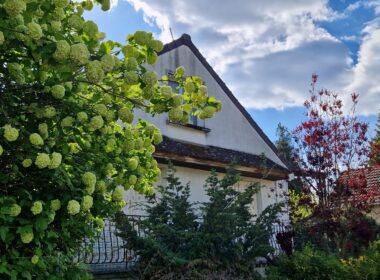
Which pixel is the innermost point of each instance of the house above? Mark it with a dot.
(202, 145)
(367, 180)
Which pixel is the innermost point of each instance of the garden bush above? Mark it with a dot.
(221, 239)
(346, 235)
(308, 264)
(366, 266)
(312, 264)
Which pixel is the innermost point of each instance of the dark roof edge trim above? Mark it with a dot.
(185, 39)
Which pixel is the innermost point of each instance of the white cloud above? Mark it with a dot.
(114, 3)
(366, 71)
(349, 38)
(266, 50)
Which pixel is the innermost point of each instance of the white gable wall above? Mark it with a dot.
(270, 193)
(229, 128)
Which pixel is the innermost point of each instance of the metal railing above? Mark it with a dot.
(278, 228)
(108, 252)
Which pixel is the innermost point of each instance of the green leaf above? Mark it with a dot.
(14, 275)
(3, 232)
(26, 274)
(41, 223)
(106, 47)
(4, 268)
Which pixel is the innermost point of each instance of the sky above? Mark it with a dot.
(266, 51)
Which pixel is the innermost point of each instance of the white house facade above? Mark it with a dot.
(199, 146)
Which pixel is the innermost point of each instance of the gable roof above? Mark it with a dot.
(185, 40)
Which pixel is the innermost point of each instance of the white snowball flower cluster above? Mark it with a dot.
(90, 28)
(141, 37)
(55, 160)
(133, 163)
(175, 114)
(36, 139)
(14, 7)
(180, 71)
(55, 205)
(10, 133)
(94, 71)
(130, 64)
(43, 130)
(149, 78)
(42, 160)
(27, 236)
(58, 91)
(73, 207)
(177, 100)
(62, 51)
(131, 78)
(117, 194)
(157, 137)
(126, 115)
(27, 162)
(67, 122)
(89, 179)
(79, 54)
(34, 30)
(101, 109)
(189, 87)
(82, 117)
(36, 208)
(14, 210)
(166, 91)
(108, 62)
(87, 203)
(76, 22)
(61, 3)
(96, 122)
(35, 259)
(207, 112)
(56, 25)
(49, 112)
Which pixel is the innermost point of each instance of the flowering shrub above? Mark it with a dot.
(65, 159)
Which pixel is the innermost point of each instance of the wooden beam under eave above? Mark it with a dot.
(203, 164)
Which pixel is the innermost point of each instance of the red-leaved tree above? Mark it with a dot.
(331, 151)
(331, 144)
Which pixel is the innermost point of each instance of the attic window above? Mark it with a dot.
(194, 121)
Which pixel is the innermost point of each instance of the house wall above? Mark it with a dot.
(270, 192)
(229, 128)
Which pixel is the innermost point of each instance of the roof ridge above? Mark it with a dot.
(185, 39)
